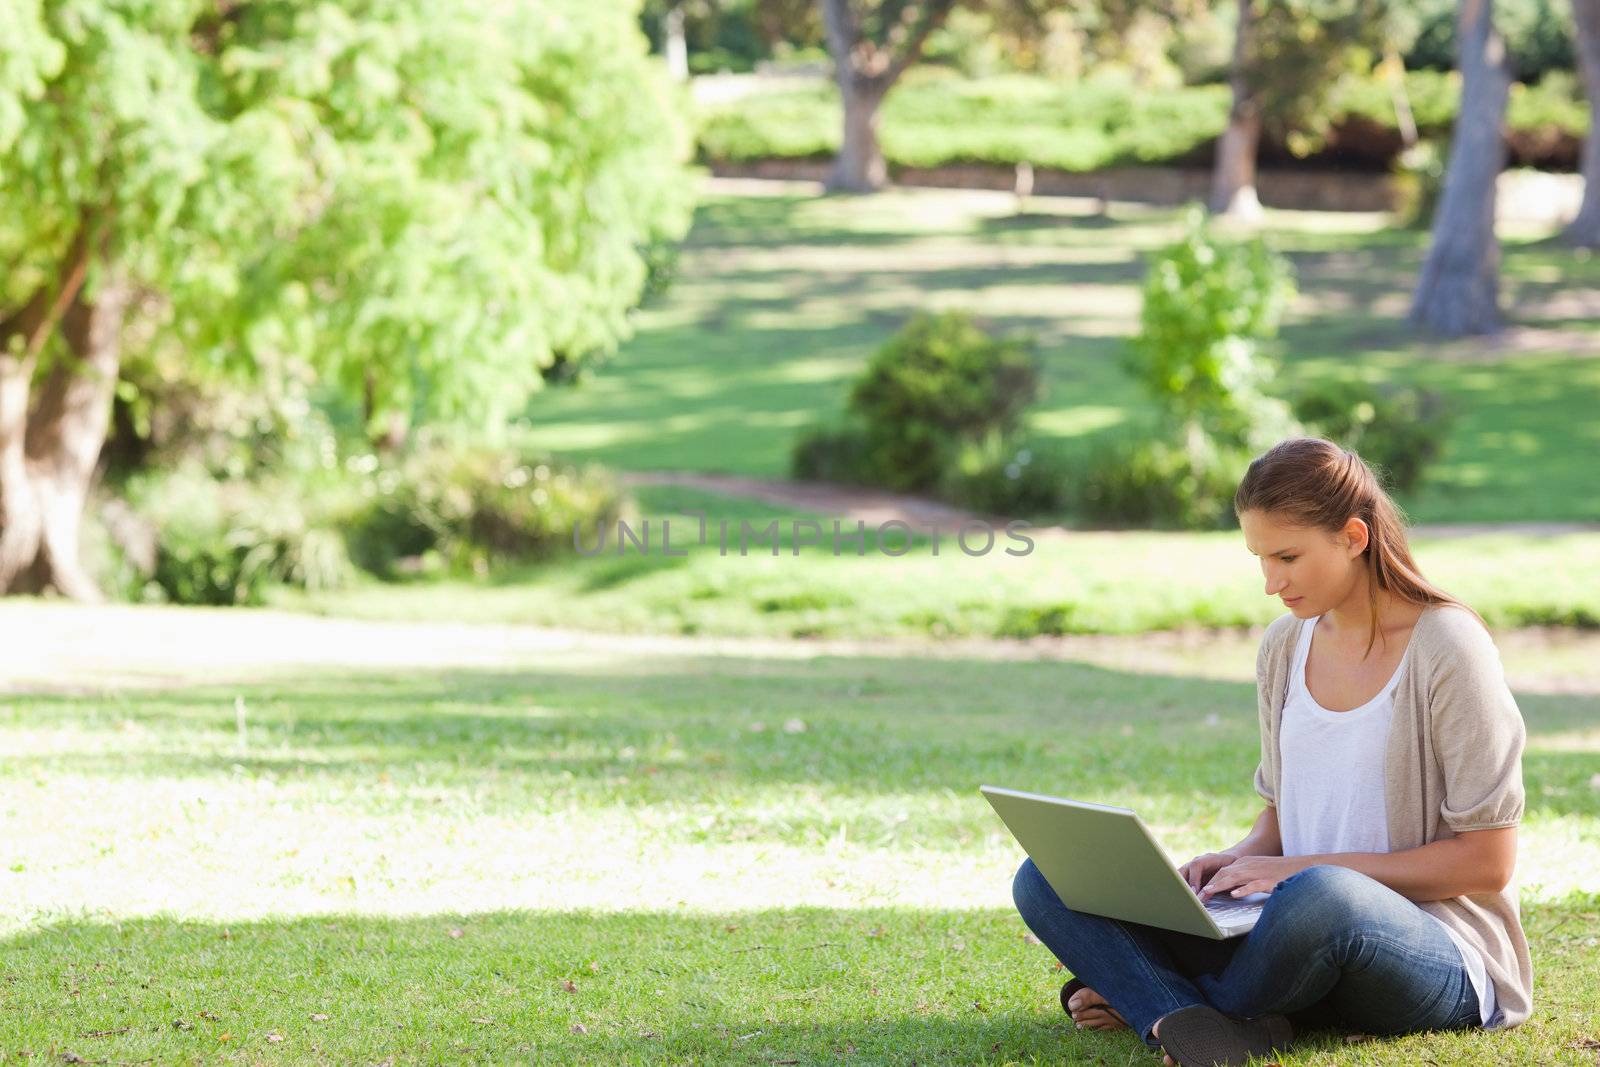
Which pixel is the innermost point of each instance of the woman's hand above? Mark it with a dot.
(1200, 869)
(1252, 874)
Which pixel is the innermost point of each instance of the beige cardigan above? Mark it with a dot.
(1453, 763)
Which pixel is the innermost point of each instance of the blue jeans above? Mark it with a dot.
(1332, 947)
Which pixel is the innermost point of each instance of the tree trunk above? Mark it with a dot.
(860, 167)
(1233, 180)
(66, 430)
(22, 337)
(675, 44)
(866, 70)
(1458, 292)
(1585, 229)
(20, 518)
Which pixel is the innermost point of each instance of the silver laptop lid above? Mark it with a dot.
(1102, 860)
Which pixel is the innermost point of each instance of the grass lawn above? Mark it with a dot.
(1076, 582)
(600, 855)
(780, 298)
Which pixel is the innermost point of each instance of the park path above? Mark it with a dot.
(876, 506)
(56, 646)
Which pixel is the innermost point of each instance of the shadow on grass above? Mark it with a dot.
(804, 986)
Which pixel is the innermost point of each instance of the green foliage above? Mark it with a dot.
(1105, 122)
(1399, 431)
(927, 122)
(1154, 483)
(454, 509)
(937, 410)
(938, 383)
(1538, 35)
(226, 542)
(1299, 49)
(831, 453)
(1208, 306)
(1010, 477)
(419, 202)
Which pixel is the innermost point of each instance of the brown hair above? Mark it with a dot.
(1312, 483)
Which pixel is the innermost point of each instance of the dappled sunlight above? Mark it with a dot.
(638, 773)
(780, 299)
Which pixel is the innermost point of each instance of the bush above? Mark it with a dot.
(1398, 431)
(832, 454)
(940, 383)
(1207, 307)
(226, 542)
(1009, 478)
(459, 509)
(1150, 482)
(1104, 122)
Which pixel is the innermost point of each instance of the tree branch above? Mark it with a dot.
(35, 319)
(909, 50)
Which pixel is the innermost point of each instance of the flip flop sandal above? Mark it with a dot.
(1201, 1036)
(1072, 986)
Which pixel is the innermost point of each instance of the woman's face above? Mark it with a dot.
(1311, 570)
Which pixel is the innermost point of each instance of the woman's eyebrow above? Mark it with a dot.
(1280, 552)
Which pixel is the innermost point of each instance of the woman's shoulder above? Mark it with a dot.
(1450, 640)
(1451, 627)
(1280, 632)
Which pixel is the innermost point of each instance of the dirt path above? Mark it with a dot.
(875, 506)
(60, 647)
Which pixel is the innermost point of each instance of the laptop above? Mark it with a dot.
(1104, 861)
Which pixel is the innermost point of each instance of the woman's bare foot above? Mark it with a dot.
(1091, 1012)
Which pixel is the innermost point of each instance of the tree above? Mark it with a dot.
(421, 201)
(1233, 180)
(1458, 292)
(1585, 228)
(872, 43)
(1287, 55)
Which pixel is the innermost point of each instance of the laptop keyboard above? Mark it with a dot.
(1228, 908)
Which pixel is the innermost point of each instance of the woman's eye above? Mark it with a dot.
(1288, 559)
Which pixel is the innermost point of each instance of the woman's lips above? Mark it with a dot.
(1292, 600)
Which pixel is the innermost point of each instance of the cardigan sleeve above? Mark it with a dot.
(1267, 768)
(1477, 730)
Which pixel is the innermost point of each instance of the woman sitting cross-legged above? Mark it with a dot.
(1391, 769)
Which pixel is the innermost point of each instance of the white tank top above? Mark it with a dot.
(1333, 797)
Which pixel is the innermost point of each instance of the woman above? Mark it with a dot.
(1391, 770)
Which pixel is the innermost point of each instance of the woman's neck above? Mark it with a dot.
(1353, 616)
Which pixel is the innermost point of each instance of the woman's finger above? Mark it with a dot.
(1224, 880)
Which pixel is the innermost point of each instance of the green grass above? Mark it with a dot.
(1080, 582)
(780, 299)
(620, 858)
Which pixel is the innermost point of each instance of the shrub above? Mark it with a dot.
(1092, 124)
(1207, 307)
(1151, 482)
(832, 453)
(1399, 431)
(937, 384)
(466, 508)
(1010, 478)
(226, 542)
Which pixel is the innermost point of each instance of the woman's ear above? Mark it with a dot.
(1357, 536)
